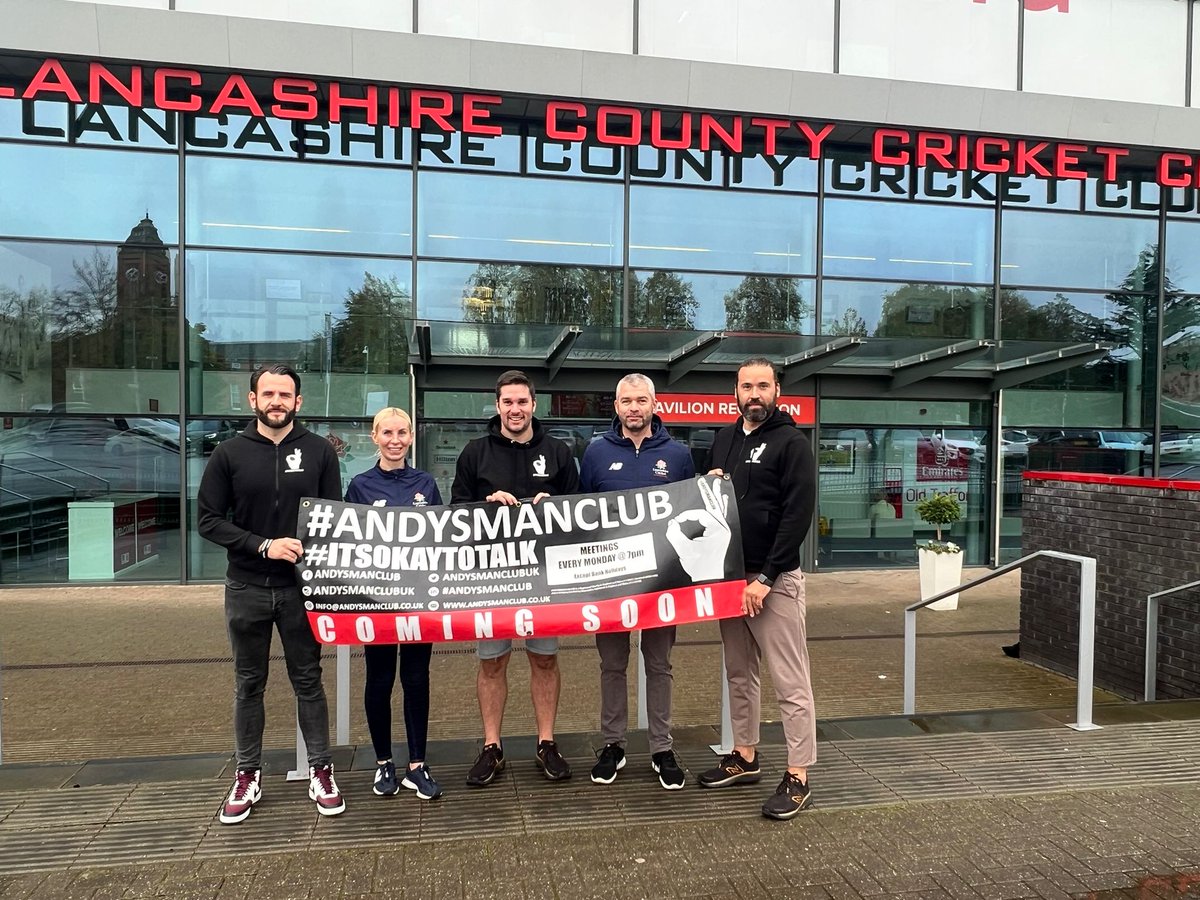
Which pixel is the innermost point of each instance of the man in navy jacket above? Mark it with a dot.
(636, 452)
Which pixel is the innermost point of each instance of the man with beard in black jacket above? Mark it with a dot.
(261, 475)
(516, 462)
(770, 465)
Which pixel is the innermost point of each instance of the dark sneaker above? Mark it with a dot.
(610, 761)
(789, 798)
(488, 765)
(385, 780)
(324, 790)
(247, 790)
(551, 762)
(670, 773)
(732, 768)
(422, 781)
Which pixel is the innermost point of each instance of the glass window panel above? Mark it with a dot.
(722, 231)
(1117, 389)
(573, 158)
(679, 166)
(443, 150)
(386, 15)
(1076, 251)
(578, 24)
(908, 241)
(783, 171)
(69, 193)
(519, 294)
(707, 302)
(1113, 49)
(945, 41)
(1183, 256)
(89, 328)
(855, 173)
(870, 479)
(1132, 196)
(348, 141)
(889, 309)
(41, 120)
(1181, 362)
(254, 203)
(1041, 193)
(785, 34)
(519, 219)
(340, 322)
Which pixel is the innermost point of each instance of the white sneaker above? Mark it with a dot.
(247, 790)
(324, 790)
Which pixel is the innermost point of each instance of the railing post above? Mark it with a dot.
(342, 690)
(1, 709)
(910, 662)
(300, 773)
(1087, 645)
(643, 718)
(1151, 676)
(726, 744)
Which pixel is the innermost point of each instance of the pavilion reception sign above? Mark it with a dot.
(565, 565)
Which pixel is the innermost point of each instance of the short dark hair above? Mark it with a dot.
(515, 376)
(757, 361)
(274, 369)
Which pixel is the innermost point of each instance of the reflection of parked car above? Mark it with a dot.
(144, 435)
(1184, 444)
(1086, 450)
(203, 435)
(572, 436)
(1181, 471)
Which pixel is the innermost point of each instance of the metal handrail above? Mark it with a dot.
(104, 481)
(1151, 675)
(1087, 632)
(74, 490)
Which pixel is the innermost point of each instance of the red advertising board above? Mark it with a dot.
(146, 512)
(942, 460)
(721, 409)
(124, 536)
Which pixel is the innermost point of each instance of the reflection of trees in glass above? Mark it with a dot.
(935, 310)
(850, 324)
(372, 336)
(25, 326)
(87, 306)
(766, 303)
(527, 295)
(664, 300)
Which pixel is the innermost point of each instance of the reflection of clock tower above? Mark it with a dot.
(145, 316)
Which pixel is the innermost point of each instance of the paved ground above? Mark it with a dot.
(115, 730)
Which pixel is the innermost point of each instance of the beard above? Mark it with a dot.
(756, 414)
(288, 416)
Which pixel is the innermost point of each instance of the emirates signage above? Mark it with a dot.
(721, 409)
(305, 102)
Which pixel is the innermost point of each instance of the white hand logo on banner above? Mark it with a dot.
(702, 544)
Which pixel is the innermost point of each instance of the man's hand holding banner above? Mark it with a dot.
(578, 564)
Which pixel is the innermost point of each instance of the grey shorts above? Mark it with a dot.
(497, 649)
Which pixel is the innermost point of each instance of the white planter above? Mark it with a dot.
(939, 572)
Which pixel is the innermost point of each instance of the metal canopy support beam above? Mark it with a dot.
(796, 368)
(422, 342)
(560, 349)
(920, 366)
(688, 357)
(1018, 371)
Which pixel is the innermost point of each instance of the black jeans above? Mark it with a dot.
(251, 612)
(377, 696)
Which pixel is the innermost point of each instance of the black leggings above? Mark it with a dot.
(377, 695)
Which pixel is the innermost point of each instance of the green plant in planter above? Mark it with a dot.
(937, 510)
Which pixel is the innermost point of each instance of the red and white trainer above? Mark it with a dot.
(247, 790)
(324, 790)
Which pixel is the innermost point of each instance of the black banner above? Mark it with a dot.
(565, 565)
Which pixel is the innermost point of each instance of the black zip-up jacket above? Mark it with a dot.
(496, 463)
(263, 483)
(771, 470)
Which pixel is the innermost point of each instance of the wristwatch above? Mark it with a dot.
(763, 579)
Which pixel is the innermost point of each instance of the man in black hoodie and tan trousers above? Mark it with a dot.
(770, 465)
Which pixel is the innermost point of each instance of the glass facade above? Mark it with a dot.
(150, 261)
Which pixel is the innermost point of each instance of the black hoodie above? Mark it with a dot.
(771, 470)
(497, 463)
(263, 483)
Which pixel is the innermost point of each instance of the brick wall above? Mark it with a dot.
(1145, 537)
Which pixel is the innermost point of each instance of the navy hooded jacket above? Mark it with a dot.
(613, 463)
(394, 487)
